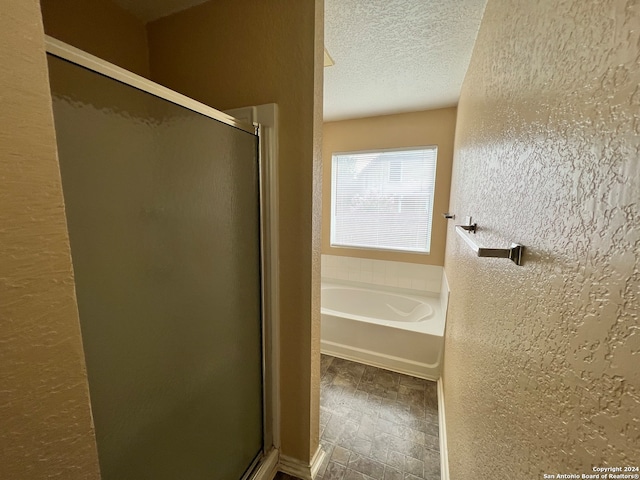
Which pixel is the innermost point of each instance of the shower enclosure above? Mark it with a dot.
(163, 213)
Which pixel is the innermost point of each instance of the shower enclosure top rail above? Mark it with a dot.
(513, 253)
(86, 60)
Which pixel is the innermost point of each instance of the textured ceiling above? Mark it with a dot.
(396, 55)
(149, 10)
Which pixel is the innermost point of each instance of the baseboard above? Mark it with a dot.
(268, 466)
(316, 461)
(388, 362)
(296, 468)
(444, 453)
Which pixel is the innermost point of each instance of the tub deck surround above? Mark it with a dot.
(376, 424)
(390, 275)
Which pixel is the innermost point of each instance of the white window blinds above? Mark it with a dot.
(384, 199)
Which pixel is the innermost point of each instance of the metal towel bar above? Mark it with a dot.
(513, 253)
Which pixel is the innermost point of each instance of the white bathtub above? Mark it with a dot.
(391, 330)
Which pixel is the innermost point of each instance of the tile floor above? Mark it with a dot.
(376, 424)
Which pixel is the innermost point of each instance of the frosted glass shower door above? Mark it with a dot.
(162, 207)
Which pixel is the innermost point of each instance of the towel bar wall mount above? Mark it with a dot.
(473, 228)
(513, 253)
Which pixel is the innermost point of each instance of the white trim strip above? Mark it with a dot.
(267, 117)
(444, 453)
(268, 466)
(86, 60)
(316, 461)
(294, 467)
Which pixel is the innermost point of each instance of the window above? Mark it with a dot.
(384, 199)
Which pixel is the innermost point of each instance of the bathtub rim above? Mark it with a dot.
(417, 299)
(433, 325)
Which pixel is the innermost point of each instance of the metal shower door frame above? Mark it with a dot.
(266, 462)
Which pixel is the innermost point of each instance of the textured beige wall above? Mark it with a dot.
(430, 127)
(44, 405)
(542, 361)
(101, 28)
(233, 53)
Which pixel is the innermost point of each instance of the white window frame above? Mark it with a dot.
(428, 207)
